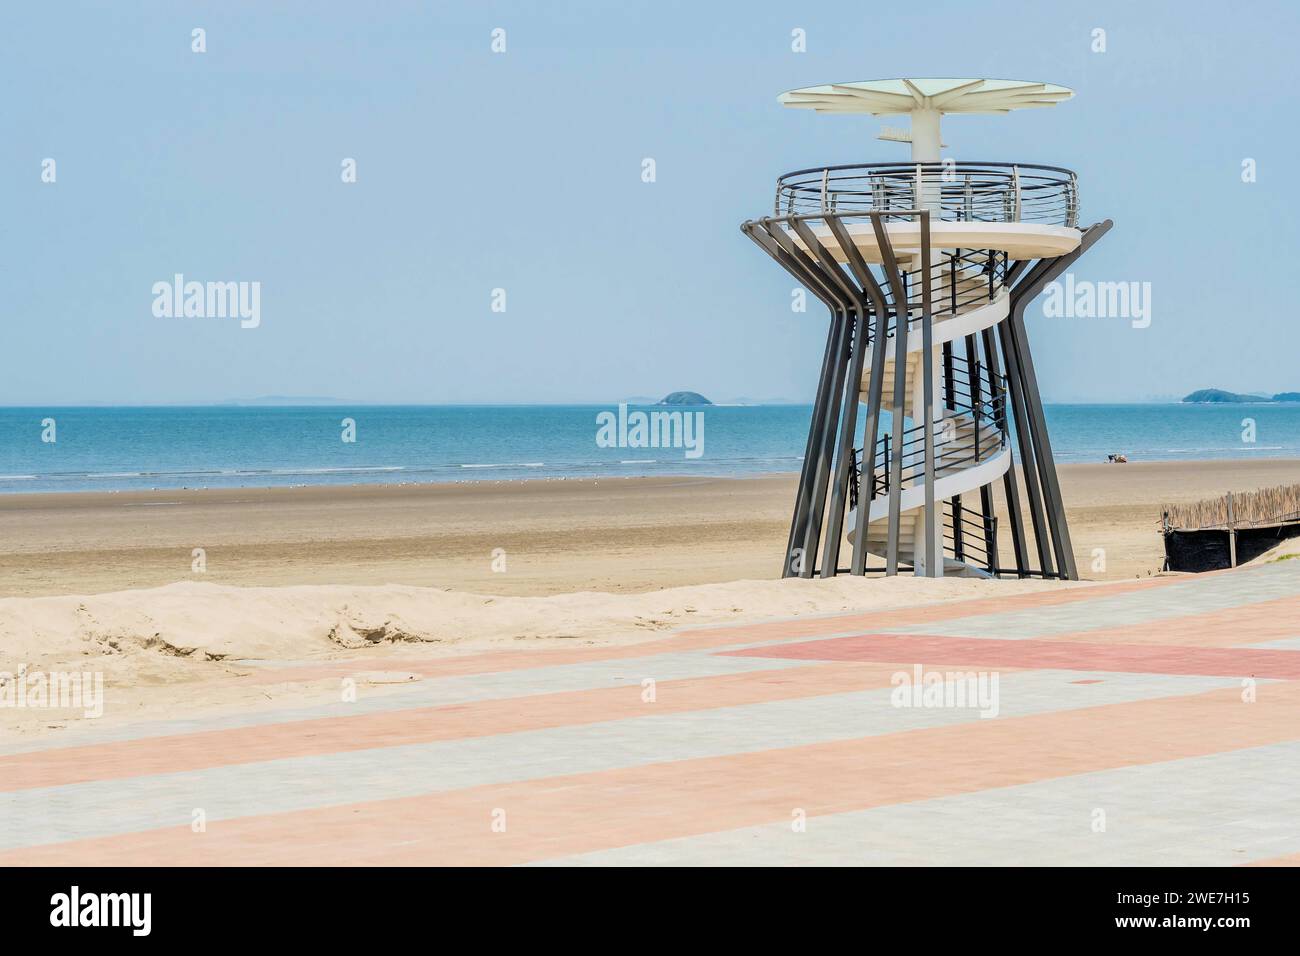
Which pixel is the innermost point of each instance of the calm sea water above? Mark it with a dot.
(103, 449)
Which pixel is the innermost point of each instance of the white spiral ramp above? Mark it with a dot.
(972, 447)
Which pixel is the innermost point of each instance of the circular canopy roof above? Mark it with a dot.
(893, 97)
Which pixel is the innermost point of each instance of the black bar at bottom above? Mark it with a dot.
(240, 905)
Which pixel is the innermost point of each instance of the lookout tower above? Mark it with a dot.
(927, 268)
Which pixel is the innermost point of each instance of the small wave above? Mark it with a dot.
(517, 464)
(184, 475)
(1223, 448)
(332, 471)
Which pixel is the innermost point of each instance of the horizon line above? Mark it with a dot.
(341, 403)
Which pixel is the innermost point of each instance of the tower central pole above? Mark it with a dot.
(926, 140)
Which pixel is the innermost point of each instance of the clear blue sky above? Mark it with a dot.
(522, 171)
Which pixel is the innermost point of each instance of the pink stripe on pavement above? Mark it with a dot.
(1042, 655)
(201, 750)
(579, 813)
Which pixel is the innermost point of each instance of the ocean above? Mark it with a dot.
(108, 449)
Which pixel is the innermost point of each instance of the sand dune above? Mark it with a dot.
(182, 649)
(207, 623)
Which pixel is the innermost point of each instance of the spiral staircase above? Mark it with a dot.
(968, 424)
(928, 393)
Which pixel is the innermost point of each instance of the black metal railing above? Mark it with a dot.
(974, 400)
(961, 278)
(952, 191)
(953, 453)
(970, 536)
(959, 388)
(959, 281)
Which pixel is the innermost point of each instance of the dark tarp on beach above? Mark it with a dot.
(1208, 550)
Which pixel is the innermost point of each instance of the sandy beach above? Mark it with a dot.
(519, 538)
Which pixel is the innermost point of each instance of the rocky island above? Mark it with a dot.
(684, 398)
(1217, 396)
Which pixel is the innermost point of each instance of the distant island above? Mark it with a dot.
(684, 398)
(285, 400)
(1217, 396)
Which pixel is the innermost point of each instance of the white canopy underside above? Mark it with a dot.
(895, 97)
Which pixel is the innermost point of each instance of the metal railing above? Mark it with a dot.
(971, 536)
(959, 281)
(951, 454)
(958, 387)
(968, 535)
(979, 405)
(952, 191)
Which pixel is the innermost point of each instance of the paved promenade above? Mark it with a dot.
(1152, 722)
